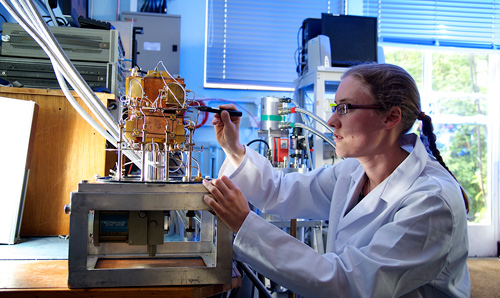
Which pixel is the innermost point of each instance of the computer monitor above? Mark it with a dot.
(353, 39)
(73, 9)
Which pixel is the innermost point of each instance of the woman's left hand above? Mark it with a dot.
(228, 202)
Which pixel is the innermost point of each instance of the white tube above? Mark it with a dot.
(41, 41)
(51, 13)
(316, 132)
(40, 32)
(74, 77)
(46, 41)
(318, 119)
(80, 110)
(27, 17)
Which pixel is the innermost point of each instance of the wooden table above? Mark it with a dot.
(49, 278)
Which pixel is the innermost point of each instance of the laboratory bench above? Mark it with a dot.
(49, 278)
(66, 150)
(38, 267)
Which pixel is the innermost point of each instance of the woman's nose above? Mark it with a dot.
(334, 121)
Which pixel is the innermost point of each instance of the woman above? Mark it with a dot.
(397, 220)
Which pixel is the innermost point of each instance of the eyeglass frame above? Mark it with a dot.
(348, 106)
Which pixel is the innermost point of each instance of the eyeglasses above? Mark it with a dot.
(343, 108)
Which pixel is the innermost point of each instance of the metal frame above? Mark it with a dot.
(83, 255)
(315, 226)
(319, 78)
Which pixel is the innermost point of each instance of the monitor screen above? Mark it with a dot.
(72, 9)
(353, 39)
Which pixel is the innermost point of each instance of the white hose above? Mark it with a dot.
(318, 119)
(316, 132)
(80, 110)
(72, 75)
(28, 17)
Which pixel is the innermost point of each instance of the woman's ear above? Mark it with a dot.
(393, 117)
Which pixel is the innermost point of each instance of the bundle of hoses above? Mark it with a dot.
(27, 15)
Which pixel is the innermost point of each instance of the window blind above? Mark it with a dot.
(254, 44)
(453, 23)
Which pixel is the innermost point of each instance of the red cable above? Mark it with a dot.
(205, 114)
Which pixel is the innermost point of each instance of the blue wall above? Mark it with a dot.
(192, 51)
(193, 15)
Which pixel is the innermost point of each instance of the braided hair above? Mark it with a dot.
(392, 86)
(428, 131)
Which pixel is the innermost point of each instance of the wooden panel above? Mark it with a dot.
(48, 279)
(66, 150)
(115, 263)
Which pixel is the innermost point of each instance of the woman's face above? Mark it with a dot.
(359, 133)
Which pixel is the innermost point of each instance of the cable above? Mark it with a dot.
(51, 13)
(258, 140)
(238, 105)
(300, 125)
(318, 119)
(262, 289)
(316, 132)
(29, 18)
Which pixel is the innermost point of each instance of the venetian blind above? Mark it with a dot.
(255, 43)
(453, 23)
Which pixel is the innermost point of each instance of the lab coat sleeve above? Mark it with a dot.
(402, 256)
(294, 195)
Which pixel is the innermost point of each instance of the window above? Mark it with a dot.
(457, 23)
(454, 92)
(254, 44)
(457, 74)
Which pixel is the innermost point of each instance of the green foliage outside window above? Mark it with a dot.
(459, 88)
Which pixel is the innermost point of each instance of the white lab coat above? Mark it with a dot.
(407, 237)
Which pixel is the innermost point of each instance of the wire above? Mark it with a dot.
(318, 119)
(299, 53)
(236, 104)
(29, 18)
(316, 132)
(205, 114)
(258, 140)
(257, 283)
(51, 13)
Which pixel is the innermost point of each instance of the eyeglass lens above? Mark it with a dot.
(341, 108)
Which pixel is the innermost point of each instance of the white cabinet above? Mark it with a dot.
(160, 40)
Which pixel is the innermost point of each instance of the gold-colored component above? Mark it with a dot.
(156, 102)
(156, 123)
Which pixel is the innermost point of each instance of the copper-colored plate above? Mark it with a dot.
(148, 263)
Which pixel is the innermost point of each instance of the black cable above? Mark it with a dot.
(60, 21)
(258, 140)
(1, 15)
(300, 48)
(257, 283)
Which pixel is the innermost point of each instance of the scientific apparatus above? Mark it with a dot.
(152, 228)
(288, 147)
(119, 226)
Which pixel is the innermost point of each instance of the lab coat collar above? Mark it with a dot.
(406, 173)
(357, 180)
(392, 187)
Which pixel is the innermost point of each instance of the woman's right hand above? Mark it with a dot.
(227, 133)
